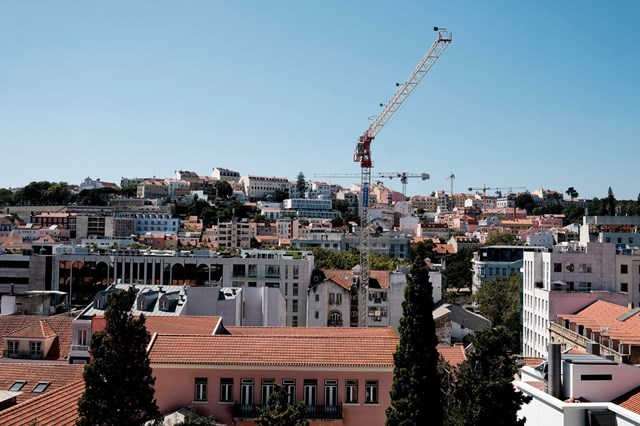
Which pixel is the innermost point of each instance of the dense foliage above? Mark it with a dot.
(119, 385)
(416, 398)
(279, 412)
(329, 259)
(483, 392)
(499, 300)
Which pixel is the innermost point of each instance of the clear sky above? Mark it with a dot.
(535, 94)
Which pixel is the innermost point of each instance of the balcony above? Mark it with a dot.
(313, 412)
(24, 354)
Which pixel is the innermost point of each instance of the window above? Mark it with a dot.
(226, 390)
(331, 393)
(295, 289)
(36, 349)
(338, 298)
(296, 270)
(317, 314)
(624, 269)
(557, 267)
(40, 387)
(294, 306)
(624, 287)
(200, 389)
(141, 305)
(310, 392)
(238, 270)
(267, 389)
(17, 385)
(371, 388)
(12, 348)
(290, 385)
(294, 321)
(335, 318)
(351, 391)
(286, 289)
(83, 337)
(317, 297)
(246, 392)
(332, 298)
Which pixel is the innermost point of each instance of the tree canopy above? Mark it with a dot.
(279, 412)
(119, 384)
(416, 398)
(483, 392)
(499, 300)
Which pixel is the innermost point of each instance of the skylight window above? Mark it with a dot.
(40, 387)
(17, 385)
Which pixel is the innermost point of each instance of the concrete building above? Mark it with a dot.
(262, 187)
(152, 188)
(496, 261)
(227, 175)
(563, 281)
(308, 208)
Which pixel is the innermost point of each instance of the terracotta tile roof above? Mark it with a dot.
(40, 327)
(55, 408)
(618, 322)
(344, 278)
(444, 249)
(630, 400)
(321, 350)
(452, 355)
(531, 361)
(189, 325)
(57, 374)
(373, 332)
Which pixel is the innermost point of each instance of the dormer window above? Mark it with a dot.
(17, 385)
(164, 305)
(40, 387)
(141, 305)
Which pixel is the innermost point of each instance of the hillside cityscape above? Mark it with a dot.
(267, 271)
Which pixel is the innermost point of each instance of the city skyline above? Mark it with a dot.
(537, 95)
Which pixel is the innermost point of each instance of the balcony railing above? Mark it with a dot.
(24, 354)
(81, 348)
(313, 412)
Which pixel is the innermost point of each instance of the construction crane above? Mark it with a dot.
(403, 176)
(451, 177)
(362, 154)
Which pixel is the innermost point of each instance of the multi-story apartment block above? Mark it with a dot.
(260, 187)
(64, 220)
(563, 281)
(152, 188)
(392, 244)
(220, 173)
(235, 234)
(312, 209)
(150, 220)
(425, 202)
(325, 190)
(288, 271)
(495, 261)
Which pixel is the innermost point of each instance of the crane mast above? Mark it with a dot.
(362, 155)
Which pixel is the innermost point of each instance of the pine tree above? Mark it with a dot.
(483, 392)
(301, 185)
(280, 412)
(416, 398)
(119, 385)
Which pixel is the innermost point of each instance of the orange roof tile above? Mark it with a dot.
(605, 316)
(56, 408)
(41, 327)
(373, 332)
(452, 355)
(57, 375)
(630, 400)
(284, 351)
(183, 324)
(344, 277)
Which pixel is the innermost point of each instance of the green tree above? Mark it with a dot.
(416, 398)
(503, 239)
(483, 392)
(223, 189)
(572, 193)
(301, 185)
(279, 195)
(524, 201)
(279, 412)
(610, 203)
(193, 418)
(6, 196)
(119, 385)
(499, 300)
(458, 272)
(130, 191)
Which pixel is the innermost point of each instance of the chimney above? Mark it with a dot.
(554, 370)
(593, 348)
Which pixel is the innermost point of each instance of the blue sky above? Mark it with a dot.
(540, 94)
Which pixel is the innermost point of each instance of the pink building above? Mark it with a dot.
(343, 375)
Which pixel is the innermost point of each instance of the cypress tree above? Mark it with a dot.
(416, 398)
(119, 385)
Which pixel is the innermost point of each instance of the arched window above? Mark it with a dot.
(335, 319)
